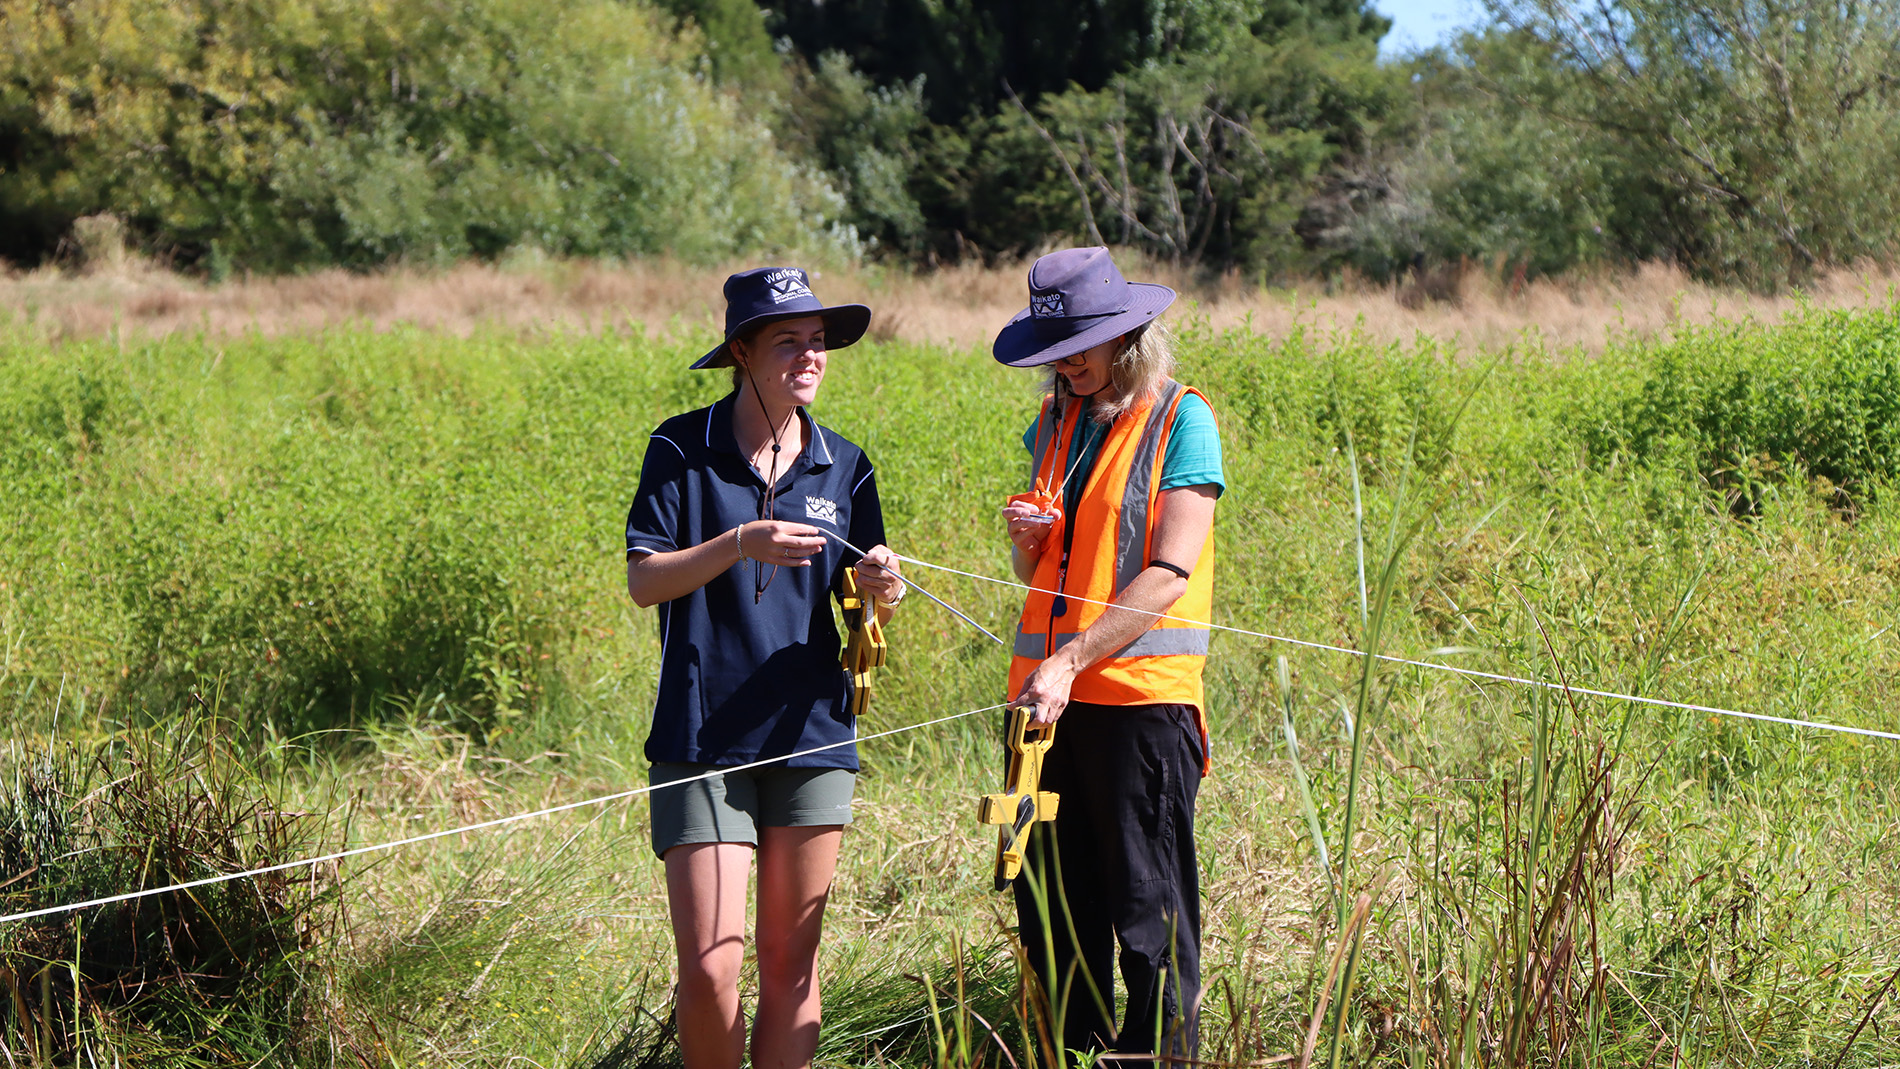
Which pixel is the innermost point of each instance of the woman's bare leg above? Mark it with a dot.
(795, 869)
(705, 892)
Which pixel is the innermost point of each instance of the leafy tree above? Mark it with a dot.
(1193, 128)
(967, 51)
(1770, 124)
(1476, 178)
(1326, 21)
(316, 131)
(738, 50)
(870, 140)
(1209, 159)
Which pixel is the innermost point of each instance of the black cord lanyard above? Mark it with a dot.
(768, 497)
(1060, 607)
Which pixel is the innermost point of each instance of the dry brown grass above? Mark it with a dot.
(958, 306)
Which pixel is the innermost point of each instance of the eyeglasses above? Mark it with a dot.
(1080, 359)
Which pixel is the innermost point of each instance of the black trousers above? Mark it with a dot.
(1119, 866)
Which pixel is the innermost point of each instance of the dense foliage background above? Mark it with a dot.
(1746, 140)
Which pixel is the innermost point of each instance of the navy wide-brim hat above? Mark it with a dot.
(1077, 300)
(768, 294)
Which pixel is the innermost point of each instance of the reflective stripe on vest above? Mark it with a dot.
(1155, 642)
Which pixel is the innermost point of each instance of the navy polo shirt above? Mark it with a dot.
(742, 681)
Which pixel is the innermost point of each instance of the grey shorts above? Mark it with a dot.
(732, 807)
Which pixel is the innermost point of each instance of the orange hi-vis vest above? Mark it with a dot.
(1112, 542)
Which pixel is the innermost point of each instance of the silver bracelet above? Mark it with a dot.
(738, 539)
(903, 590)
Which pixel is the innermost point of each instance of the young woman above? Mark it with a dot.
(734, 534)
(1127, 469)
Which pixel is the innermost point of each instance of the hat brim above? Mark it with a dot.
(1024, 342)
(845, 325)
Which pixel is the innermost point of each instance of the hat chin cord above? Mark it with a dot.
(767, 413)
(766, 509)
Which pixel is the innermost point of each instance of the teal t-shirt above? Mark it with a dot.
(1192, 459)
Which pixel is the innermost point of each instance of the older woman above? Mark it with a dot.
(1115, 537)
(734, 534)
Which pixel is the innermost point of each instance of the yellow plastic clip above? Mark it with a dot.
(1022, 802)
(864, 647)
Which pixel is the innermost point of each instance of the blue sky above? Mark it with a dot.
(1419, 23)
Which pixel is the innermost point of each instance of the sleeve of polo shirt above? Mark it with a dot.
(867, 515)
(1193, 457)
(655, 515)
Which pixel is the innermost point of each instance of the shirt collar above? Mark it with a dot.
(720, 436)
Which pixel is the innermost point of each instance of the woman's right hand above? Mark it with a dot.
(1029, 526)
(780, 542)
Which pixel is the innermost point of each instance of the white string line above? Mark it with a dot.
(919, 588)
(1391, 659)
(841, 540)
(496, 823)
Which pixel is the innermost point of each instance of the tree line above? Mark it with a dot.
(1750, 141)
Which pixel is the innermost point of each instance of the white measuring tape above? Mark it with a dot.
(496, 823)
(1474, 673)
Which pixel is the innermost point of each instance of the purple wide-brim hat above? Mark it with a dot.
(1077, 300)
(768, 294)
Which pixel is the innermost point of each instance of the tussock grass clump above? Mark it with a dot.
(961, 1009)
(210, 975)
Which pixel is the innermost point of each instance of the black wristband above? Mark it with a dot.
(1176, 569)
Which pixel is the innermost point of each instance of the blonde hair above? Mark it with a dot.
(1141, 366)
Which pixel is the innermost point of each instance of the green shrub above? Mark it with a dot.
(353, 526)
(1320, 392)
(321, 528)
(1818, 395)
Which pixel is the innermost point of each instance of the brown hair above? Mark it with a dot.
(747, 339)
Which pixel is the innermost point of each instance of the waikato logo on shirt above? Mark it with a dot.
(818, 508)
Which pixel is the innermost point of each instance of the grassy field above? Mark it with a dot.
(263, 596)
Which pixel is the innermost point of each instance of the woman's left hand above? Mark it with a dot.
(1029, 526)
(879, 575)
(1047, 690)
